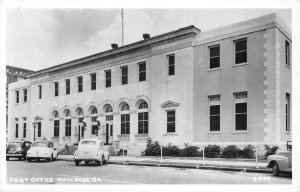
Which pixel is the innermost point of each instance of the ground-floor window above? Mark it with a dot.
(171, 121)
(143, 123)
(17, 130)
(24, 130)
(214, 112)
(125, 124)
(241, 111)
(56, 128)
(287, 112)
(68, 127)
(39, 131)
(94, 129)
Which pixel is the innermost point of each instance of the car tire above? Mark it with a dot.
(275, 169)
(100, 163)
(76, 162)
(50, 158)
(29, 159)
(86, 162)
(7, 158)
(19, 158)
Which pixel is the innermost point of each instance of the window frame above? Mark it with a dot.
(40, 91)
(79, 84)
(240, 101)
(56, 89)
(17, 96)
(144, 122)
(288, 113)
(107, 79)
(93, 81)
(140, 73)
(124, 77)
(68, 86)
(126, 122)
(287, 54)
(24, 129)
(17, 129)
(39, 129)
(235, 52)
(213, 103)
(68, 127)
(24, 95)
(168, 111)
(219, 56)
(56, 127)
(171, 65)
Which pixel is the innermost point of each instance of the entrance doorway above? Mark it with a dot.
(108, 134)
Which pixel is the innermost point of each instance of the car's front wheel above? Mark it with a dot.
(76, 162)
(100, 162)
(275, 169)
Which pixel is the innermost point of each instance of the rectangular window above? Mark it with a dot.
(109, 117)
(240, 111)
(124, 71)
(79, 82)
(17, 96)
(25, 95)
(214, 112)
(214, 57)
(240, 51)
(39, 131)
(108, 78)
(171, 121)
(143, 123)
(93, 81)
(287, 113)
(94, 129)
(171, 61)
(56, 128)
(55, 89)
(40, 91)
(67, 86)
(287, 53)
(17, 130)
(68, 127)
(142, 71)
(24, 129)
(125, 124)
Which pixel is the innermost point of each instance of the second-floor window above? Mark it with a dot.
(142, 71)
(67, 86)
(17, 96)
(108, 78)
(25, 95)
(240, 51)
(214, 57)
(124, 71)
(93, 81)
(287, 53)
(56, 89)
(79, 82)
(40, 91)
(171, 63)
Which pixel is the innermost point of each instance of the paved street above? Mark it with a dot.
(67, 172)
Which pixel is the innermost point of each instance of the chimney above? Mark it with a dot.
(114, 46)
(146, 36)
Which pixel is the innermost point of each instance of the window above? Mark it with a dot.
(240, 111)
(214, 112)
(56, 128)
(287, 113)
(171, 61)
(171, 121)
(93, 81)
(24, 129)
(25, 95)
(240, 51)
(108, 78)
(94, 129)
(17, 130)
(109, 117)
(214, 57)
(124, 71)
(39, 131)
(125, 124)
(143, 123)
(55, 89)
(40, 91)
(142, 71)
(79, 82)
(68, 127)
(67, 86)
(287, 53)
(17, 96)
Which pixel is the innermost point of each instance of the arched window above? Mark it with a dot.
(143, 118)
(67, 113)
(125, 107)
(108, 109)
(80, 112)
(143, 105)
(94, 111)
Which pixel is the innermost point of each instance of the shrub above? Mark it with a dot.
(152, 149)
(190, 151)
(248, 152)
(170, 150)
(231, 151)
(270, 150)
(212, 151)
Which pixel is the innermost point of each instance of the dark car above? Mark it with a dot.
(17, 149)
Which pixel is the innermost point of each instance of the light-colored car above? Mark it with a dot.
(42, 150)
(91, 150)
(281, 162)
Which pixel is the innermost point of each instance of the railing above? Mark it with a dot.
(141, 138)
(124, 138)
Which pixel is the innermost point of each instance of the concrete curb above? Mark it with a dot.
(187, 166)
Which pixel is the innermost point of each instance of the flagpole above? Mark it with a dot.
(122, 15)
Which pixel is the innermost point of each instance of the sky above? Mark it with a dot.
(41, 38)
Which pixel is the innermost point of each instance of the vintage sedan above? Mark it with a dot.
(91, 150)
(42, 150)
(281, 162)
(17, 149)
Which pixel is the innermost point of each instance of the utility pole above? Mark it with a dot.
(122, 15)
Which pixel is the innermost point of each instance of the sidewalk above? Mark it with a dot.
(219, 164)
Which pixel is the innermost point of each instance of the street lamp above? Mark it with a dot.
(34, 126)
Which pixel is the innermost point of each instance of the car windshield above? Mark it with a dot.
(88, 142)
(39, 144)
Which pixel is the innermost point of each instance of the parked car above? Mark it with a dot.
(91, 150)
(281, 162)
(17, 149)
(42, 150)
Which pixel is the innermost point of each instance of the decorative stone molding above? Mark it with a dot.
(169, 104)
